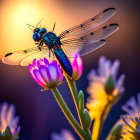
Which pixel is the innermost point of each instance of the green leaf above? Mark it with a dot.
(109, 85)
(81, 100)
(7, 135)
(87, 118)
(8, 131)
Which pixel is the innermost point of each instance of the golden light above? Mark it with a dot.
(15, 34)
(15, 14)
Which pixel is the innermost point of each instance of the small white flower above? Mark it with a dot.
(8, 119)
(104, 87)
(65, 135)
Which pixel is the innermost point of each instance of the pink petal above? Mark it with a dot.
(75, 66)
(45, 74)
(39, 78)
(34, 63)
(40, 62)
(46, 61)
(60, 75)
(31, 68)
(53, 71)
(57, 68)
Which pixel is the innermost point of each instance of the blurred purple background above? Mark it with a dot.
(39, 113)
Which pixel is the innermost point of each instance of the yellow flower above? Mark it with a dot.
(104, 89)
(96, 102)
(131, 121)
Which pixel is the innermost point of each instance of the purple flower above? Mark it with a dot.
(8, 121)
(77, 66)
(47, 75)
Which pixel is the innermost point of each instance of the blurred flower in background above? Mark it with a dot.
(131, 121)
(65, 135)
(104, 88)
(9, 128)
(47, 75)
(77, 66)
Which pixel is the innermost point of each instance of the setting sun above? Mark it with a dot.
(15, 34)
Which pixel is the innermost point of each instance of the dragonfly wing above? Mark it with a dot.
(82, 49)
(25, 57)
(38, 55)
(94, 36)
(90, 47)
(83, 44)
(89, 24)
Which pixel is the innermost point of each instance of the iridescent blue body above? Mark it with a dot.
(53, 42)
(62, 58)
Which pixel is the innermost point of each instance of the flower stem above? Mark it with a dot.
(98, 123)
(67, 113)
(73, 89)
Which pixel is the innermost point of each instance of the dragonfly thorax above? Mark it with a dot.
(51, 39)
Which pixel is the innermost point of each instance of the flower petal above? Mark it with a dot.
(115, 68)
(46, 61)
(45, 73)
(53, 71)
(39, 78)
(40, 62)
(120, 82)
(60, 75)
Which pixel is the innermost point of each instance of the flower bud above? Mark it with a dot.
(47, 75)
(77, 66)
(87, 118)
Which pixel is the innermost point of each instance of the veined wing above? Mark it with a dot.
(88, 42)
(89, 24)
(82, 48)
(26, 57)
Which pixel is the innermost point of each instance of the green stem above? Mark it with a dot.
(98, 123)
(67, 113)
(73, 89)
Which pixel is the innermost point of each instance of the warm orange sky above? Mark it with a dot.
(15, 14)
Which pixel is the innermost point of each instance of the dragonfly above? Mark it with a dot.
(83, 39)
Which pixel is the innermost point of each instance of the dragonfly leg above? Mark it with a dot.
(52, 52)
(39, 48)
(40, 44)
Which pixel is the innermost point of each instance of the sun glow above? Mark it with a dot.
(15, 34)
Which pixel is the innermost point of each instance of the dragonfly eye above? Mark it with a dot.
(42, 31)
(36, 30)
(36, 37)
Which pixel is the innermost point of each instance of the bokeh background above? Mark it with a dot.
(39, 113)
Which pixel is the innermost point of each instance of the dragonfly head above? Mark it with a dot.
(36, 35)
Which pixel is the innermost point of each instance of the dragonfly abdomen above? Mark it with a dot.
(63, 60)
